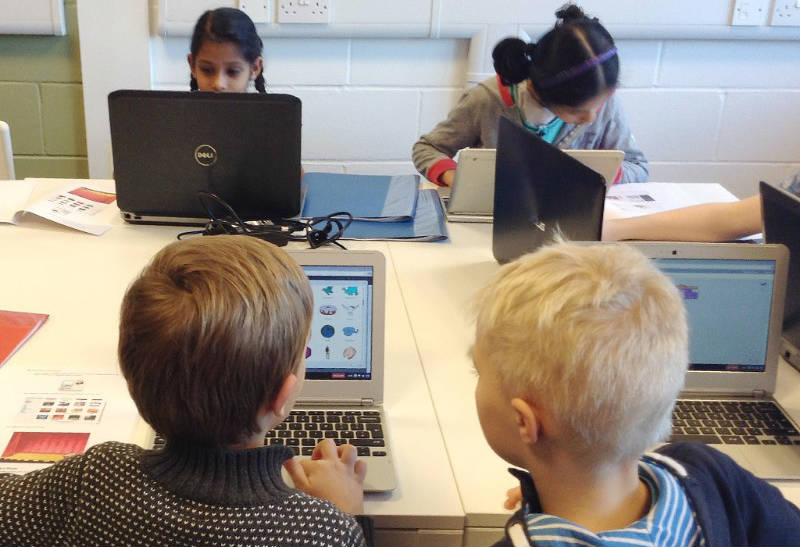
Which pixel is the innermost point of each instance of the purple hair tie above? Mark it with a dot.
(577, 70)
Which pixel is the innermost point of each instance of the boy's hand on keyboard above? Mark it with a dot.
(333, 473)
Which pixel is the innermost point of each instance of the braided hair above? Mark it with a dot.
(229, 25)
(572, 63)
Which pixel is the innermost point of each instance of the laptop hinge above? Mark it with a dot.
(759, 394)
(336, 402)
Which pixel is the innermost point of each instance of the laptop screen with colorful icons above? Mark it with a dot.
(340, 343)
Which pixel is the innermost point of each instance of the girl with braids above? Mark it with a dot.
(560, 88)
(226, 53)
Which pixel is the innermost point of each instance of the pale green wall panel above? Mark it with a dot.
(43, 58)
(62, 112)
(49, 167)
(20, 107)
(41, 98)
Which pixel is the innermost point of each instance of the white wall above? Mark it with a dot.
(723, 109)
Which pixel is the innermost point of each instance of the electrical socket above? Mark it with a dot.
(304, 11)
(786, 13)
(750, 12)
(257, 10)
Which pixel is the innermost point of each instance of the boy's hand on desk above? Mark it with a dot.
(333, 473)
(513, 497)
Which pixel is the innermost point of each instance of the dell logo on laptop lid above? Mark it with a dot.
(205, 155)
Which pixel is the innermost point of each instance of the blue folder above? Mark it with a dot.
(428, 223)
(382, 198)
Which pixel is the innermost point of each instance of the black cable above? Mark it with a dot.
(275, 230)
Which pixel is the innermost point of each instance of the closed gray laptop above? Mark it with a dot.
(170, 146)
(734, 294)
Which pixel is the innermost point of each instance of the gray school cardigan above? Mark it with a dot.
(473, 123)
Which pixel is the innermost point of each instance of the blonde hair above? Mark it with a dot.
(209, 331)
(596, 334)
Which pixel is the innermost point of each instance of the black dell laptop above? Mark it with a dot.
(169, 146)
(781, 213)
(540, 191)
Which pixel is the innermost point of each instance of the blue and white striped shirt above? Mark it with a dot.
(670, 521)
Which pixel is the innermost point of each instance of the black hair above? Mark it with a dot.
(228, 25)
(572, 63)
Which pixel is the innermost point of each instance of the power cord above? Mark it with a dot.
(316, 231)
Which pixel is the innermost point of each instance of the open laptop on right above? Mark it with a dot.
(781, 213)
(733, 294)
(540, 191)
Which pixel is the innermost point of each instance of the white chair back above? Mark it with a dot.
(6, 156)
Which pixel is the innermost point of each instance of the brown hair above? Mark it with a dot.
(209, 331)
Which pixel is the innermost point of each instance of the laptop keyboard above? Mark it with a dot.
(302, 430)
(732, 422)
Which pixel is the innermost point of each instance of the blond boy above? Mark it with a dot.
(581, 351)
(212, 341)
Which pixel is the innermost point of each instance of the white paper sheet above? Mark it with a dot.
(637, 199)
(80, 204)
(48, 414)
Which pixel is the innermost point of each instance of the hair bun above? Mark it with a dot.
(512, 60)
(569, 12)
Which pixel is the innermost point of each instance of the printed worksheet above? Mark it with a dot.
(47, 415)
(644, 198)
(77, 204)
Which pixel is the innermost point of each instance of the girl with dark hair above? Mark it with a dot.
(560, 88)
(226, 53)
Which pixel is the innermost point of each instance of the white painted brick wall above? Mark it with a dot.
(760, 126)
(744, 64)
(702, 110)
(417, 63)
(674, 125)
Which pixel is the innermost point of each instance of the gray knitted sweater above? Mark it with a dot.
(473, 123)
(120, 494)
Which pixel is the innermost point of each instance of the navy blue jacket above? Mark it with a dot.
(733, 506)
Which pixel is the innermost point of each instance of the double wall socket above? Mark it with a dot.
(304, 11)
(750, 12)
(786, 13)
(258, 10)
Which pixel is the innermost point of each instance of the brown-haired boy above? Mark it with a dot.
(212, 340)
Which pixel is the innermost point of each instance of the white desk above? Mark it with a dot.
(437, 282)
(79, 279)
